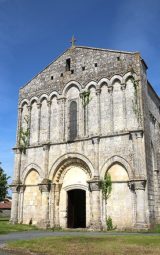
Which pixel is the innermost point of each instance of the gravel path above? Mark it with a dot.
(35, 234)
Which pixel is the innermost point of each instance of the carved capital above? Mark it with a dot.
(137, 134)
(20, 109)
(39, 105)
(17, 150)
(15, 186)
(45, 185)
(140, 185)
(94, 184)
(46, 147)
(29, 107)
(123, 86)
(22, 188)
(61, 100)
(95, 140)
(110, 89)
(98, 91)
(48, 103)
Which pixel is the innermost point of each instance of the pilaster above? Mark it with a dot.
(98, 92)
(61, 102)
(15, 187)
(123, 88)
(94, 186)
(110, 91)
(44, 187)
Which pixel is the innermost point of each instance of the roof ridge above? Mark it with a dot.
(102, 49)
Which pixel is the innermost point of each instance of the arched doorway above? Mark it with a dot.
(76, 210)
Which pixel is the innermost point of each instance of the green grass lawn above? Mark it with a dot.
(6, 227)
(106, 245)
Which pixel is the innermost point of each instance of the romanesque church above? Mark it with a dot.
(88, 114)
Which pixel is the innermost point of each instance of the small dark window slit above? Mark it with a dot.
(68, 64)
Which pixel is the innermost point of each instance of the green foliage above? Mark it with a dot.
(85, 97)
(3, 184)
(106, 186)
(109, 223)
(24, 135)
(6, 227)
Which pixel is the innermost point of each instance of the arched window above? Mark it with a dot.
(73, 120)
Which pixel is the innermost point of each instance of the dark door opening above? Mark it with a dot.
(76, 209)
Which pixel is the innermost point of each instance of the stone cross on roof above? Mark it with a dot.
(73, 40)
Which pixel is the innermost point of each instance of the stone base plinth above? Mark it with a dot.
(43, 224)
(141, 226)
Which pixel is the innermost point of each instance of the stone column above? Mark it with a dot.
(95, 142)
(44, 187)
(49, 120)
(15, 197)
(140, 204)
(94, 186)
(98, 92)
(139, 158)
(46, 148)
(19, 124)
(110, 90)
(61, 102)
(123, 87)
(52, 205)
(29, 122)
(15, 186)
(21, 197)
(39, 120)
(57, 190)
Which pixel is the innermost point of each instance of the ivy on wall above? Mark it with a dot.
(24, 135)
(85, 97)
(106, 186)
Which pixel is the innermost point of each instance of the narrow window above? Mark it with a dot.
(95, 65)
(73, 120)
(52, 77)
(83, 68)
(68, 64)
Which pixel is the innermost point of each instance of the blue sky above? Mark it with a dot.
(34, 32)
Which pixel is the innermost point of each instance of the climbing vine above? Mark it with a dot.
(24, 135)
(106, 186)
(85, 97)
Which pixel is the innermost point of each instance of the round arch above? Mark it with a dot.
(23, 102)
(69, 85)
(43, 97)
(116, 78)
(127, 76)
(91, 84)
(116, 160)
(52, 95)
(104, 81)
(58, 168)
(34, 99)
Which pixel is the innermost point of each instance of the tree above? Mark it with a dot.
(3, 184)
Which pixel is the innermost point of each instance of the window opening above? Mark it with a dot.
(73, 120)
(68, 64)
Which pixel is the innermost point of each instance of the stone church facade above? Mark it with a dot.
(89, 113)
